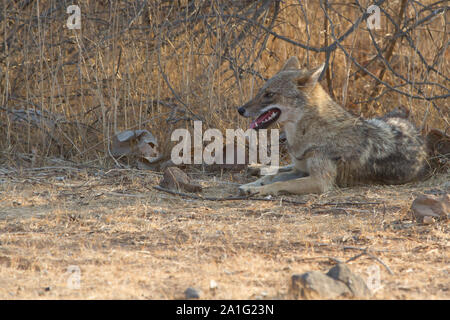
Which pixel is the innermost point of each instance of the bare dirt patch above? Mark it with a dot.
(130, 241)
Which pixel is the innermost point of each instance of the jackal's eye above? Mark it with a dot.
(268, 95)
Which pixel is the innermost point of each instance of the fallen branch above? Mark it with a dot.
(249, 197)
(367, 253)
(193, 196)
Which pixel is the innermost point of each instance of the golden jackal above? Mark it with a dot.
(328, 146)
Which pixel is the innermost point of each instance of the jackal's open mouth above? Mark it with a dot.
(267, 118)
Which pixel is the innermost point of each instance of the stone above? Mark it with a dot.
(431, 206)
(213, 285)
(355, 283)
(192, 293)
(339, 282)
(175, 179)
(316, 285)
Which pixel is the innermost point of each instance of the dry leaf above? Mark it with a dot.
(430, 206)
(136, 143)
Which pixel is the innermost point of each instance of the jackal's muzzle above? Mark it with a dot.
(268, 116)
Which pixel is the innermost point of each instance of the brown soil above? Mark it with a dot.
(130, 241)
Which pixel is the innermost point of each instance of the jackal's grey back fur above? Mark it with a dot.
(389, 150)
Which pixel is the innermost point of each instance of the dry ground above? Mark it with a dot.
(133, 242)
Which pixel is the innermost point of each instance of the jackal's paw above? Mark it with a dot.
(261, 190)
(247, 189)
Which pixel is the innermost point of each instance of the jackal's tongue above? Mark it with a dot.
(253, 125)
(264, 119)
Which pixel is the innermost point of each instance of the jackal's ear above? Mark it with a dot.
(311, 77)
(291, 64)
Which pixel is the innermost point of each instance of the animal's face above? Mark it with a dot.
(283, 97)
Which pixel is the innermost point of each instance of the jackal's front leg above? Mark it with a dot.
(303, 185)
(322, 175)
(255, 169)
(290, 173)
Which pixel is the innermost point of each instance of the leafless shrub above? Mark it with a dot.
(158, 65)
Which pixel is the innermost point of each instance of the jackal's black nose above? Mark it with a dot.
(241, 111)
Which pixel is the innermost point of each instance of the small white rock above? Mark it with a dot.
(213, 285)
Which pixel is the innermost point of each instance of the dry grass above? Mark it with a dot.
(114, 73)
(144, 244)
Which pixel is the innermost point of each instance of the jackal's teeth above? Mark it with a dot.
(265, 118)
(271, 117)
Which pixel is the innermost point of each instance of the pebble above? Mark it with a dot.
(213, 285)
(192, 293)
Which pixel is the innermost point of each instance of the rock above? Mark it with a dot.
(339, 282)
(175, 179)
(316, 285)
(428, 220)
(355, 283)
(213, 285)
(431, 206)
(192, 293)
